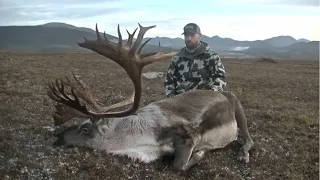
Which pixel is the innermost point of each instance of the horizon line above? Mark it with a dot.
(177, 37)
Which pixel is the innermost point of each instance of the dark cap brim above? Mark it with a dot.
(189, 31)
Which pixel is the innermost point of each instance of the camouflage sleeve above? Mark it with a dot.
(169, 84)
(217, 80)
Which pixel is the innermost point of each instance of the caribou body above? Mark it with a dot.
(186, 126)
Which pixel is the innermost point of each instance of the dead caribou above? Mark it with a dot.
(186, 126)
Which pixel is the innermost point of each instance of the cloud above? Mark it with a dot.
(243, 21)
(244, 27)
(30, 3)
(260, 27)
(314, 3)
(35, 10)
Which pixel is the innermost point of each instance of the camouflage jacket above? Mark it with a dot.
(202, 69)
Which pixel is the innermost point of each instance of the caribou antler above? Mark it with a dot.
(130, 59)
(64, 113)
(85, 93)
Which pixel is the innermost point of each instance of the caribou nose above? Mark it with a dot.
(59, 141)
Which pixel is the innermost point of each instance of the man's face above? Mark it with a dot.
(192, 40)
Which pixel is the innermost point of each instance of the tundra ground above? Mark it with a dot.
(281, 102)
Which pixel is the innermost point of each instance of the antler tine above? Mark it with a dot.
(105, 48)
(140, 48)
(125, 102)
(86, 94)
(153, 57)
(130, 38)
(64, 113)
(160, 47)
(98, 33)
(120, 37)
(147, 54)
(139, 39)
(59, 95)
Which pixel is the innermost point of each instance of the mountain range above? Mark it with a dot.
(61, 37)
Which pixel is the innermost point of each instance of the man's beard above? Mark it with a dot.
(190, 45)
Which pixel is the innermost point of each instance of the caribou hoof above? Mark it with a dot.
(243, 157)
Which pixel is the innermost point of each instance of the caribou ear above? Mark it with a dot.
(103, 129)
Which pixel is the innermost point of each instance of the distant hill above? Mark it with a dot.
(61, 37)
(52, 37)
(276, 47)
(280, 41)
(69, 26)
(299, 50)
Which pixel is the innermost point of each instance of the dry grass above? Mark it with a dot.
(281, 102)
(267, 60)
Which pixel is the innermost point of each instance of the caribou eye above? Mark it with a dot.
(85, 130)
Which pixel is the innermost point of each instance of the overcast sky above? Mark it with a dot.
(237, 19)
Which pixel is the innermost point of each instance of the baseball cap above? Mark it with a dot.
(191, 28)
